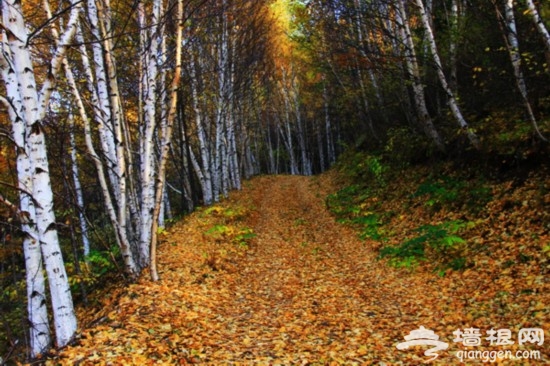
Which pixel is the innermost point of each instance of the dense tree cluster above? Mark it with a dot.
(117, 115)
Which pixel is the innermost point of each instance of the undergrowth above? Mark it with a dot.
(417, 210)
(226, 226)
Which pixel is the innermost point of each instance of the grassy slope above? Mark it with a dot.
(496, 260)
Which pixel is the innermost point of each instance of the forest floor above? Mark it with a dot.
(269, 277)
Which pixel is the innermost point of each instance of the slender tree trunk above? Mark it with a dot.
(304, 153)
(187, 168)
(272, 168)
(541, 27)
(411, 62)
(39, 331)
(120, 235)
(328, 128)
(33, 109)
(147, 140)
(362, 88)
(319, 134)
(204, 174)
(286, 131)
(166, 140)
(78, 190)
(232, 157)
(512, 43)
(442, 79)
(99, 86)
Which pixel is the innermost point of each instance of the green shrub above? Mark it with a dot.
(441, 192)
(93, 269)
(345, 203)
(369, 227)
(231, 234)
(361, 167)
(448, 191)
(441, 239)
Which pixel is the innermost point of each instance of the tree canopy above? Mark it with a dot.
(117, 117)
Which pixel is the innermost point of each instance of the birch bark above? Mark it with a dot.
(515, 58)
(166, 140)
(404, 34)
(147, 175)
(455, 109)
(120, 234)
(205, 175)
(539, 23)
(39, 331)
(33, 109)
(78, 189)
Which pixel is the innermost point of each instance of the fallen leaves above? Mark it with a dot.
(305, 291)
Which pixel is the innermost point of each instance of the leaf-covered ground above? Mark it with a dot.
(269, 277)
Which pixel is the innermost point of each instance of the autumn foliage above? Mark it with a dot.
(306, 289)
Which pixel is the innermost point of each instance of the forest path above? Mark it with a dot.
(305, 291)
(308, 289)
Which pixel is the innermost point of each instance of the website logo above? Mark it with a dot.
(421, 337)
(473, 338)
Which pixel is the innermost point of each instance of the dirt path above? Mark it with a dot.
(309, 290)
(306, 291)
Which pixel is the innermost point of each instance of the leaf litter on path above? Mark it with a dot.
(305, 290)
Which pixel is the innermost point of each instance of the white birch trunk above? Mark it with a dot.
(286, 134)
(331, 155)
(219, 174)
(120, 235)
(233, 161)
(206, 181)
(198, 170)
(78, 190)
(270, 151)
(539, 23)
(455, 109)
(187, 166)
(165, 202)
(320, 148)
(232, 158)
(453, 82)
(72, 143)
(515, 58)
(39, 331)
(306, 164)
(120, 148)
(362, 88)
(148, 137)
(166, 139)
(404, 33)
(33, 110)
(103, 114)
(114, 133)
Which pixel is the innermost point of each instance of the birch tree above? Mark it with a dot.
(512, 44)
(541, 27)
(453, 49)
(166, 138)
(204, 172)
(78, 188)
(405, 36)
(29, 106)
(453, 104)
(147, 139)
(39, 330)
